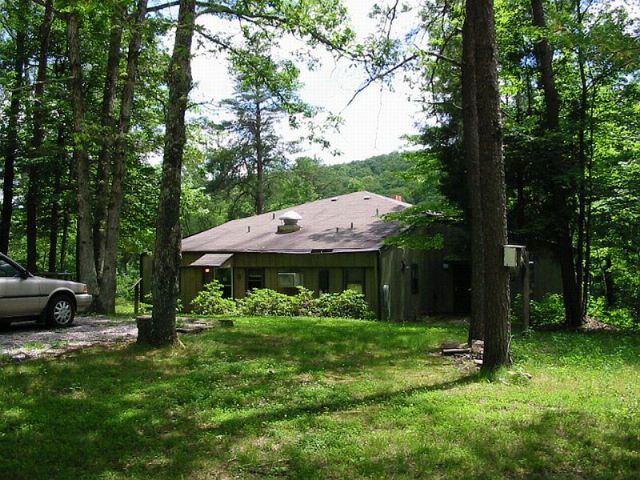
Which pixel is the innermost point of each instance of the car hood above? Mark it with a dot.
(54, 284)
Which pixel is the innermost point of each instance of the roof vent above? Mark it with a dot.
(290, 219)
(367, 197)
(334, 199)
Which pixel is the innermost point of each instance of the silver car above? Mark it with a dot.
(24, 296)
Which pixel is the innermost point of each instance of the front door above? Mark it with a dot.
(461, 288)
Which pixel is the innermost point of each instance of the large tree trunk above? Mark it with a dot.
(64, 242)
(471, 153)
(54, 214)
(259, 160)
(544, 54)
(85, 257)
(11, 139)
(609, 284)
(166, 258)
(39, 119)
(570, 291)
(107, 122)
(107, 302)
(497, 337)
(571, 280)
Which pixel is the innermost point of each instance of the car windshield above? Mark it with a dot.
(7, 270)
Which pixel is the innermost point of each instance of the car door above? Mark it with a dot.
(19, 296)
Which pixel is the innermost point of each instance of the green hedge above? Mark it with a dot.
(267, 302)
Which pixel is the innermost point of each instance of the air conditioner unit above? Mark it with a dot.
(289, 280)
(514, 255)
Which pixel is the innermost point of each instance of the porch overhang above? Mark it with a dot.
(212, 260)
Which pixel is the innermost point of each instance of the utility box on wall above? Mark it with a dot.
(514, 255)
(289, 280)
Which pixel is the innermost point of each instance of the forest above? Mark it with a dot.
(265, 348)
(529, 129)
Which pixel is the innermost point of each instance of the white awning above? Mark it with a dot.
(212, 260)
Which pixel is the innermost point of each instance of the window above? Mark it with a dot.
(415, 279)
(323, 281)
(354, 279)
(255, 278)
(207, 275)
(223, 275)
(7, 270)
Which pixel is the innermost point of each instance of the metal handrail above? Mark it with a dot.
(136, 296)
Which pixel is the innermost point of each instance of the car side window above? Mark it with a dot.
(7, 270)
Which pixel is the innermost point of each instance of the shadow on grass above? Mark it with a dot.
(136, 413)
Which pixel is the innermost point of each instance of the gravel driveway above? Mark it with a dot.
(28, 340)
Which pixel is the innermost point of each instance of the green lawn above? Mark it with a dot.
(315, 398)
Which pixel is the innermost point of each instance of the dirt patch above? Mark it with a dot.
(26, 341)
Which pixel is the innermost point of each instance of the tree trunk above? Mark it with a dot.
(609, 285)
(571, 286)
(85, 258)
(107, 302)
(259, 160)
(544, 54)
(64, 242)
(570, 293)
(107, 122)
(39, 119)
(497, 330)
(11, 139)
(54, 214)
(471, 152)
(167, 255)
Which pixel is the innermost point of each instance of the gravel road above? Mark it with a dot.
(23, 341)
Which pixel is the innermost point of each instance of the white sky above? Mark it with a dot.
(373, 124)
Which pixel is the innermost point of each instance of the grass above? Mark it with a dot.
(325, 399)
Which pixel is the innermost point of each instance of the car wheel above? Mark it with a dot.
(61, 311)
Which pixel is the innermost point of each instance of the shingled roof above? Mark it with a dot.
(326, 226)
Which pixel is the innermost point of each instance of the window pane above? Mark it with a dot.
(7, 270)
(354, 279)
(415, 284)
(255, 279)
(323, 281)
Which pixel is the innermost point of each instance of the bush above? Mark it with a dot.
(347, 304)
(124, 284)
(306, 305)
(210, 301)
(544, 313)
(616, 317)
(264, 301)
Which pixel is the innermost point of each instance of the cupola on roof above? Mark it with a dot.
(291, 217)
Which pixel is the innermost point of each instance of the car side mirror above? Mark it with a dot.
(24, 274)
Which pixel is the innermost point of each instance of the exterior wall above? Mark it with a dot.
(146, 267)
(441, 272)
(545, 275)
(435, 293)
(438, 279)
(308, 265)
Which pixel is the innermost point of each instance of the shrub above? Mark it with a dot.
(210, 301)
(264, 301)
(347, 304)
(616, 317)
(124, 284)
(544, 313)
(306, 305)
